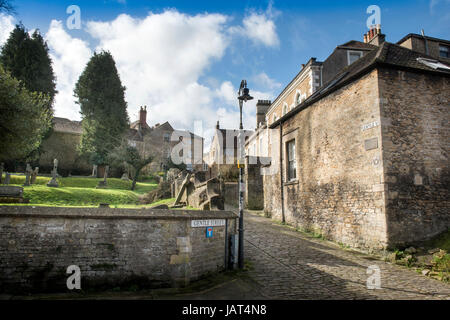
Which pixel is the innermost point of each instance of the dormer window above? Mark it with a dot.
(352, 56)
(444, 51)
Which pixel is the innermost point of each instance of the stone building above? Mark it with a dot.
(224, 146)
(62, 144)
(162, 141)
(363, 159)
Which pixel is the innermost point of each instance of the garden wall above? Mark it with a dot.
(112, 247)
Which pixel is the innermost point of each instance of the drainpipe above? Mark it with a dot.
(425, 41)
(281, 173)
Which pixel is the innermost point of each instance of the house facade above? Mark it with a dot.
(363, 159)
(161, 141)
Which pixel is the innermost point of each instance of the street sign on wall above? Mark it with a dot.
(208, 223)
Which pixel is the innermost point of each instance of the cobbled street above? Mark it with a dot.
(289, 265)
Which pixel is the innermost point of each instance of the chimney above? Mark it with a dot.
(143, 116)
(261, 109)
(374, 36)
(217, 125)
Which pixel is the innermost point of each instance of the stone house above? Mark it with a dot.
(62, 144)
(224, 146)
(364, 158)
(164, 143)
(161, 140)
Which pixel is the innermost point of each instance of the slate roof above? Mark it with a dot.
(66, 125)
(387, 55)
(353, 44)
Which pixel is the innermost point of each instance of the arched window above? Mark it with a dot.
(285, 108)
(298, 98)
(274, 117)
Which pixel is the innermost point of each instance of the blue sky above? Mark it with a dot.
(185, 59)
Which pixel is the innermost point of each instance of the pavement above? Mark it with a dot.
(288, 264)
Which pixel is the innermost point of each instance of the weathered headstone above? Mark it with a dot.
(94, 170)
(7, 178)
(27, 176)
(126, 175)
(34, 175)
(53, 182)
(102, 184)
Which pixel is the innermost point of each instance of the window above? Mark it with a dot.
(166, 137)
(444, 51)
(298, 100)
(274, 118)
(285, 108)
(353, 56)
(433, 64)
(261, 150)
(292, 166)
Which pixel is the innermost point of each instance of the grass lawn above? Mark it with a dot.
(82, 192)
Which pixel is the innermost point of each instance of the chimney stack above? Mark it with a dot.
(261, 109)
(143, 118)
(374, 35)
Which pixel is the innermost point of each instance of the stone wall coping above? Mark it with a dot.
(111, 213)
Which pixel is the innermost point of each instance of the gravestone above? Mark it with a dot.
(34, 175)
(27, 175)
(94, 170)
(102, 184)
(126, 175)
(2, 167)
(7, 178)
(53, 182)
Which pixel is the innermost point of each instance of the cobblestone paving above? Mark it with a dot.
(289, 265)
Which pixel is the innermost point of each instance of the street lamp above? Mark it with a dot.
(243, 96)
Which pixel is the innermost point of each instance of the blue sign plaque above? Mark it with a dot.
(209, 232)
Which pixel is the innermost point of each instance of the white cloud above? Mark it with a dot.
(69, 56)
(6, 26)
(264, 81)
(160, 59)
(260, 28)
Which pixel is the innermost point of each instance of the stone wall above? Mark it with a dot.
(416, 142)
(63, 146)
(112, 247)
(338, 189)
(254, 192)
(231, 193)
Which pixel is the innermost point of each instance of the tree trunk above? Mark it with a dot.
(136, 175)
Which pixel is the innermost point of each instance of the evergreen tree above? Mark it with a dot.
(24, 118)
(101, 97)
(27, 59)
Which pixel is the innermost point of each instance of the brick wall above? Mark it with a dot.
(416, 142)
(112, 247)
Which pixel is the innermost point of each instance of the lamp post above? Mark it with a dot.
(243, 96)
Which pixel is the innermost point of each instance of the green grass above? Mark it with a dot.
(82, 192)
